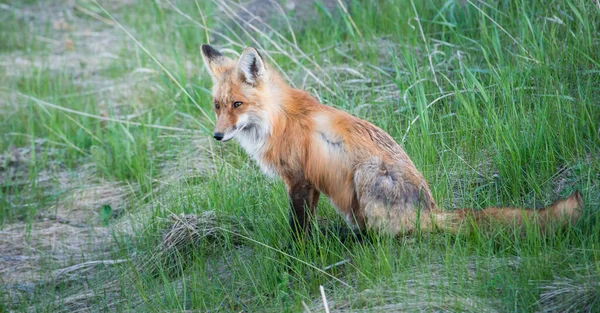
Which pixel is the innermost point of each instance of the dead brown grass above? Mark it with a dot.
(25, 247)
(579, 293)
(427, 289)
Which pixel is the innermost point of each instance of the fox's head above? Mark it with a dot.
(243, 93)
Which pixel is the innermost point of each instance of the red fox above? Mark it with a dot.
(318, 149)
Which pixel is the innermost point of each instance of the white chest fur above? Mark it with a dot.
(254, 141)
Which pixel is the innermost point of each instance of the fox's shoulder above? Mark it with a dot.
(335, 125)
(355, 134)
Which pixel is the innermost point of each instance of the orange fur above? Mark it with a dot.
(317, 149)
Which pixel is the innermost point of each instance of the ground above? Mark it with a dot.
(113, 197)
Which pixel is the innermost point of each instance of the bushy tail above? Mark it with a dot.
(561, 212)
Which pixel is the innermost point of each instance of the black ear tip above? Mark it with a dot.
(210, 52)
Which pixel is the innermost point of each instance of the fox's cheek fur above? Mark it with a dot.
(235, 128)
(247, 124)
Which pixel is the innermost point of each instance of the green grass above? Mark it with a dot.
(496, 102)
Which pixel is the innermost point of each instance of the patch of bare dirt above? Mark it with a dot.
(77, 43)
(68, 231)
(24, 246)
(86, 199)
(65, 242)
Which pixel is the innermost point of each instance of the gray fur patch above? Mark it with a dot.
(385, 184)
(335, 143)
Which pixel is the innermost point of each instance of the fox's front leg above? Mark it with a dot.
(303, 200)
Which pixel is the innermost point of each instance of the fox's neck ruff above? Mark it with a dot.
(254, 140)
(280, 107)
(255, 137)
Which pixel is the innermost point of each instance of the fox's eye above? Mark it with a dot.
(236, 104)
(217, 106)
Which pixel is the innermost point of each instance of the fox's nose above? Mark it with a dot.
(218, 136)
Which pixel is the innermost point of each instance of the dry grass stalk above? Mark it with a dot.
(578, 294)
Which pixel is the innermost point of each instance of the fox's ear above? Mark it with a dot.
(251, 67)
(213, 59)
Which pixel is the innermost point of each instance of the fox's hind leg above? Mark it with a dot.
(392, 196)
